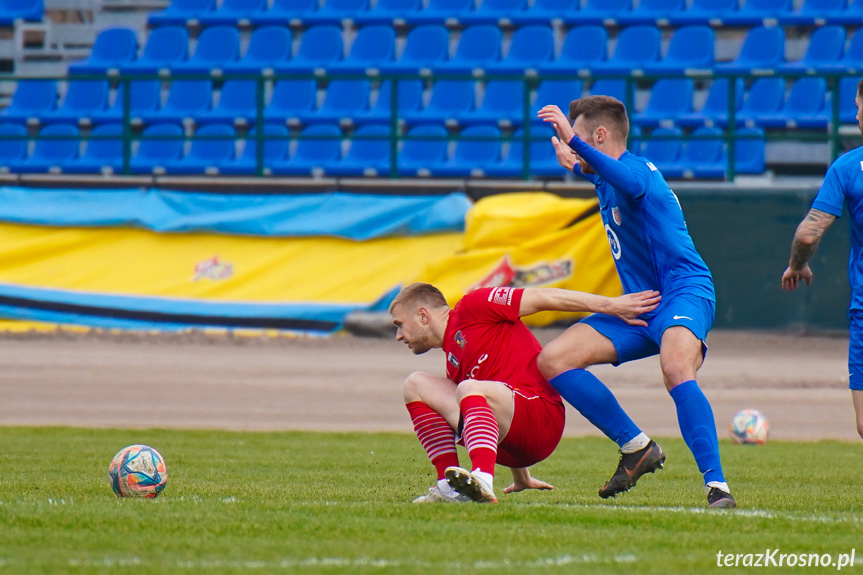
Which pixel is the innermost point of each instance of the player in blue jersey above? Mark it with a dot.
(842, 184)
(652, 250)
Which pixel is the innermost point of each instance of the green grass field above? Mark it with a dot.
(341, 503)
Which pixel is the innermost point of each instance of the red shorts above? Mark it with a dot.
(537, 426)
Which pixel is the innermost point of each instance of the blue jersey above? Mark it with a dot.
(644, 224)
(844, 183)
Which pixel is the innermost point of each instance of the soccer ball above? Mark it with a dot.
(749, 427)
(138, 471)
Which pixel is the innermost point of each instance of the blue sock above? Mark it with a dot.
(596, 403)
(698, 428)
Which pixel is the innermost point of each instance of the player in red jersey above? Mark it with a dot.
(493, 395)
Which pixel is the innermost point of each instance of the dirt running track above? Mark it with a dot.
(348, 383)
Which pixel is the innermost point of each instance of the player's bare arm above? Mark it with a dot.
(521, 480)
(627, 307)
(806, 240)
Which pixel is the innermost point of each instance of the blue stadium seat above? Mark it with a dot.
(653, 12)
(447, 12)
(333, 12)
(497, 12)
(187, 99)
(423, 145)
(545, 12)
(237, 104)
(343, 100)
(669, 98)
(851, 61)
(478, 47)
(313, 155)
(83, 99)
(269, 47)
(50, 154)
(664, 149)
(320, 46)
(606, 87)
(710, 12)
(290, 100)
(531, 47)
(502, 104)
(583, 48)
(32, 99)
(425, 47)
(749, 151)
(160, 144)
(285, 13)
(826, 47)
(637, 46)
(233, 13)
(391, 12)
(181, 13)
(763, 49)
(715, 109)
(373, 48)
(217, 46)
(101, 155)
(144, 98)
(765, 99)
(847, 93)
(600, 12)
(451, 100)
(13, 145)
(165, 48)
(366, 157)
(850, 15)
(758, 12)
(556, 92)
(812, 12)
(275, 150)
(543, 160)
(409, 98)
(806, 107)
(11, 10)
(113, 47)
(471, 157)
(206, 155)
(691, 48)
(705, 158)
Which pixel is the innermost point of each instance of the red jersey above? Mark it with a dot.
(485, 340)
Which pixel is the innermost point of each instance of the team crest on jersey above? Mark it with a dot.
(460, 339)
(615, 215)
(505, 274)
(451, 358)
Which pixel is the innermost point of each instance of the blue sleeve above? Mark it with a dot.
(576, 169)
(611, 170)
(830, 197)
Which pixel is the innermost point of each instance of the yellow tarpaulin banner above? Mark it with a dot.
(529, 239)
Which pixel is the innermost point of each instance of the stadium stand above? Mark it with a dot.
(103, 153)
(32, 99)
(471, 156)
(812, 13)
(217, 46)
(805, 107)
(83, 99)
(237, 104)
(290, 100)
(12, 10)
(450, 101)
(285, 13)
(424, 145)
(545, 12)
(373, 48)
(366, 157)
(763, 101)
(664, 148)
(758, 13)
(319, 148)
(344, 99)
(112, 48)
(600, 12)
(543, 161)
(160, 145)
(447, 12)
(478, 47)
(165, 48)
(269, 47)
(408, 100)
(207, 154)
(336, 12)
(705, 12)
(583, 48)
(690, 48)
(233, 13)
(826, 48)
(651, 12)
(637, 46)
(852, 59)
(763, 50)
(182, 13)
(320, 46)
(531, 47)
(275, 149)
(497, 12)
(425, 47)
(391, 12)
(13, 145)
(502, 104)
(56, 145)
(144, 98)
(187, 99)
(669, 98)
(715, 109)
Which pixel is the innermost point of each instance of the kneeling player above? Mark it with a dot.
(494, 395)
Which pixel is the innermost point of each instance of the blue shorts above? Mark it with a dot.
(636, 342)
(855, 352)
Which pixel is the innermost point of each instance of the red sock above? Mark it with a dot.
(480, 433)
(435, 435)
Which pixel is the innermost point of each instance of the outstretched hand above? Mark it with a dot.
(629, 306)
(530, 483)
(791, 279)
(556, 118)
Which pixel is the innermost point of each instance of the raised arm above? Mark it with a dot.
(806, 240)
(627, 307)
(566, 157)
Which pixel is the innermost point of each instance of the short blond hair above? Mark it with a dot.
(420, 294)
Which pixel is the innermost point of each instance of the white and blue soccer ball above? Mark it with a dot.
(749, 427)
(138, 471)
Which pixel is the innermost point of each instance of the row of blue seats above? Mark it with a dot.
(294, 102)
(703, 158)
(425, 152)
(517, 12)
(427, 48)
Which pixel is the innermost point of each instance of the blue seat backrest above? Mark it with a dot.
(638, 44)
(167, 43)
(321, 44)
